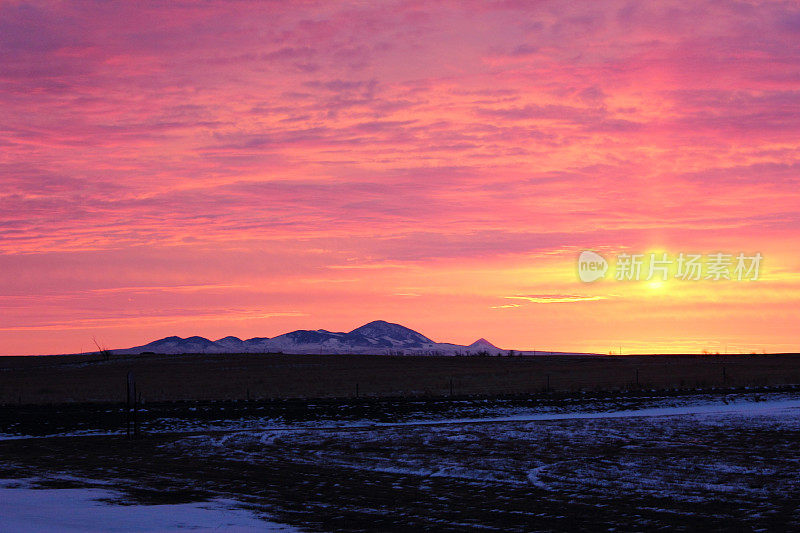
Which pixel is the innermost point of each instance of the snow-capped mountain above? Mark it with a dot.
(179, 345)
(378, 337)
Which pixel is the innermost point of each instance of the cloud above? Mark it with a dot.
(150, 320)
(310, 139)
(556, 298)
(171, 288)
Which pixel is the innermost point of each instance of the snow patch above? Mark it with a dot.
(23, 508)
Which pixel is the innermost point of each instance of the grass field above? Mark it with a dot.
(80, 378)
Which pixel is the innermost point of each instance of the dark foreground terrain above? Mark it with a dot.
(361, 443)
(712, 463)
(59, 379)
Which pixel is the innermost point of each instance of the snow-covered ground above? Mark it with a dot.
(739, 408)
(210, 418)
(718, 463)
(693, 454)
(87, 510)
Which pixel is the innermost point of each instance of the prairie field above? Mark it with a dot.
(712, 462)
(82, 378)
(289, 443)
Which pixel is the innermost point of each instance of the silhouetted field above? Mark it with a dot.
(82, 378)
(734, 469)
(514, 444)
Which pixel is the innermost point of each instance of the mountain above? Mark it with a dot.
(392, 333)
(234, 344)
(378, 337)
(483, 345)
(177, 345)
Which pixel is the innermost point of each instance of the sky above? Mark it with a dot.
(251, 168)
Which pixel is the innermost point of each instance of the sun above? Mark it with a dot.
(657, 285)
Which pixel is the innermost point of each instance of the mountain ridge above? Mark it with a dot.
(378, 337)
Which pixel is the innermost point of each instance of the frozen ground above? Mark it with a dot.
(726, 463)
(26, 507)
(188, 417)
(523, 449)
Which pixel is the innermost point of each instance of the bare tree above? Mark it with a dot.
(102, 350)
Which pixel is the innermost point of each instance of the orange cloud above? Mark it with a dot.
(201, 158)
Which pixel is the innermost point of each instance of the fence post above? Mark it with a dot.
(131, 408)
(129, 397)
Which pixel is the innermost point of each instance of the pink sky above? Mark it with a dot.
(249, 168)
